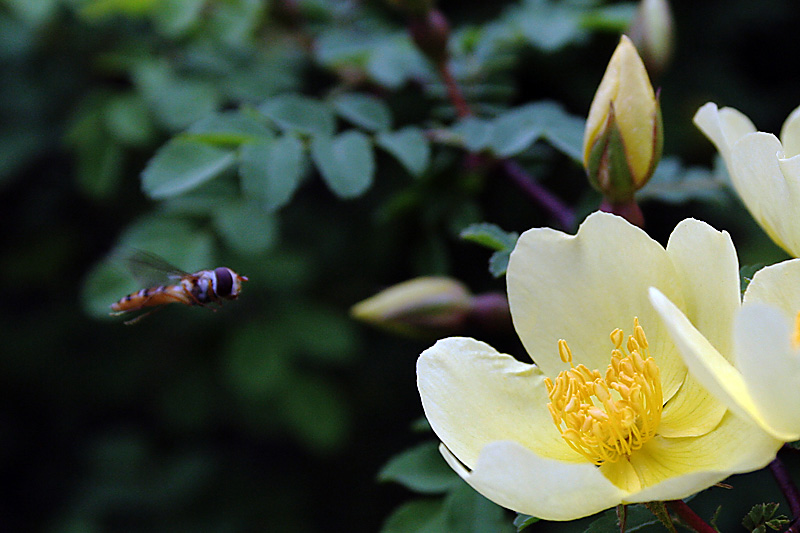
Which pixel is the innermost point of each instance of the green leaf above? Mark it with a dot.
(273, 170)
(746, 273)
(254, 368)
(345, 162)
(547, 25)
(421, 469)
(316, 412)
(467, 512)
(396, 60)
(418, 516)
(228, 129)
(295, 113)
(762, 516)
(182, 165)
(565, 133)
(176, 17)
(498, 263)
(334, 339)
(246, 226)
(364, 110)
(490, 235)
(673, 183)
(523, 521)
(177, 102)
(515, 130)
(410, 146)
(476, 133)
(128, 119)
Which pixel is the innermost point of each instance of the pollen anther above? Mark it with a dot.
(606, 418)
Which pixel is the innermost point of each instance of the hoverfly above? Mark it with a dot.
(199, 288)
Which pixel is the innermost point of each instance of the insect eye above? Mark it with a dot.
(224, 282)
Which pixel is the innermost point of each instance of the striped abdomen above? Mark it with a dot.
(153, 296)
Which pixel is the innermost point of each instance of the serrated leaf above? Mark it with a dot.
(489, 235)
(273, 170)
(409, 146)
(417, 516)
(182, 165)
(345, 162)
(363, 110)
(295, 113)
(421, 469)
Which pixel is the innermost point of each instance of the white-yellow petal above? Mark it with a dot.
(516, 478)
(473, 395)
(770, 366)
(777, 285)
(582, 287)
(770, 197)
(790, 134)
(673, 469)
(723, 127)
(708, 270)
(706, 365)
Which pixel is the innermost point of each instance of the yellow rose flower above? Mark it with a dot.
(761, 380)
(765, 170)
(608, 413)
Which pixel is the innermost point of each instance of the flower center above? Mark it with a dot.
(796, 332)
(606, 418)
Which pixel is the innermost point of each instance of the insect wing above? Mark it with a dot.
(150, 270)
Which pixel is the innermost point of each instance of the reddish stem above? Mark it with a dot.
(630, 211)
(690, 518)
(788, 488)
(557, 209)
(429, 34)
(454, 91)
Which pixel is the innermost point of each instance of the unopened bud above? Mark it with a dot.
(425, 306)
(624, 134)
(652, 33)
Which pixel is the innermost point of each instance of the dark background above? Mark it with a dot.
(197, 421)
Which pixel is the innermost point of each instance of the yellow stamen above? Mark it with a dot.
(795, 334)
(606, 418)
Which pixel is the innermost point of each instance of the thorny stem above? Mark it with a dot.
(689, 517)
(790, 491)
(541, 196)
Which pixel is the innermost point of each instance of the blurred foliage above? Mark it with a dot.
(309, 145)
